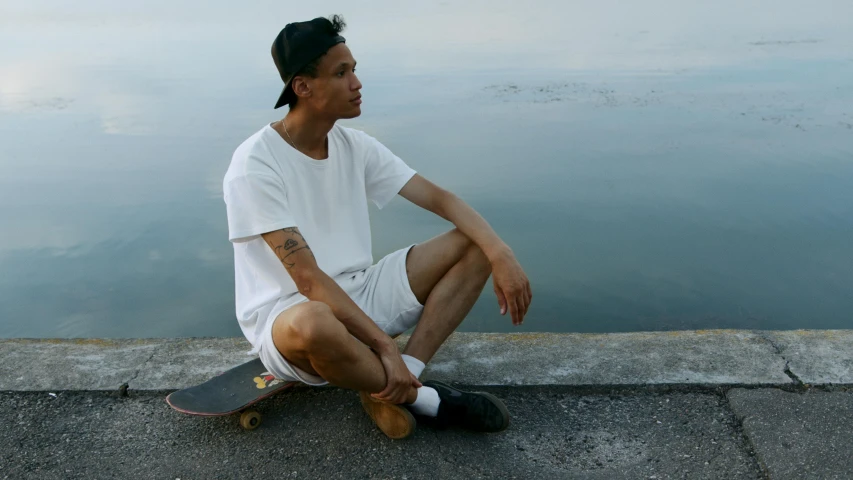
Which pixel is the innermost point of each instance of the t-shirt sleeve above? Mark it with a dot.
(255, 204)
(385, 173)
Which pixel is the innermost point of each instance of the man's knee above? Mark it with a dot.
(311, 325)
(473, 256)
(471, 252)
(462, 241)
(477, 261)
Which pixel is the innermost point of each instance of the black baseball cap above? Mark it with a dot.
(297, 45)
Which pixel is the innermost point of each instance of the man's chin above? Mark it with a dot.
(354, 112)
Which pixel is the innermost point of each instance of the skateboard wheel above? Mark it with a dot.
(250, 419)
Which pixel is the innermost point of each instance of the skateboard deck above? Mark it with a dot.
(230, 392)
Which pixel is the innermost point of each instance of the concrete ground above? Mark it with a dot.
(724, 404)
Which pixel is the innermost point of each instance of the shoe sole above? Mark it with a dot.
(495, 401)
(393, 420)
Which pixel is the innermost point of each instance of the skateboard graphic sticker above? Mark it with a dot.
(267, 380)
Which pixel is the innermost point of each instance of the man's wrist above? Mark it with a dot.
(499, 253)
(386, 346)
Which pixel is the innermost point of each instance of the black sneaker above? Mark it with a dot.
(478, 411)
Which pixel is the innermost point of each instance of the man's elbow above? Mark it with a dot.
(443, 203)
(308, 282)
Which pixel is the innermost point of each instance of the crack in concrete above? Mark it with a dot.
(778, 350)
(776, 347)
(123, 388)
(746, 442)
(793, 376)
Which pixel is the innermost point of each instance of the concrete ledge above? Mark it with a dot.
(817, 357)
(682, 357)
(707, 358)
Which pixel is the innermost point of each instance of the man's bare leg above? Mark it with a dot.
(310, 337)
(449, 273)
(446, 273)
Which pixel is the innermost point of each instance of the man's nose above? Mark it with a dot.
(357, 84)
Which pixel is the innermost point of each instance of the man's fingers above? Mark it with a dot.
(383, 395)
(388, 392)
(513, 310)
(521, 309)
(396, 392)
(390, 398)
(379, 397)
(501, 300)
(525, 297)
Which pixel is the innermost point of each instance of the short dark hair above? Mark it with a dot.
(310, 70)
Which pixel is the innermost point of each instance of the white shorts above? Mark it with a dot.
(382, 291)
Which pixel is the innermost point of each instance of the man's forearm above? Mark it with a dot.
(474, 226)
(323, 288)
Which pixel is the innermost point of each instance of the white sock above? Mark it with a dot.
(427, 401)
(415, 366)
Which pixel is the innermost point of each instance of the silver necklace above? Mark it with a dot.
(288, 135)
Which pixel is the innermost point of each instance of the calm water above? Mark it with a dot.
(654, 165)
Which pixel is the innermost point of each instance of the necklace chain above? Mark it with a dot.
(288, 134)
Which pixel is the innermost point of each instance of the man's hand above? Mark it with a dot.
(398, 376)
(511, 287)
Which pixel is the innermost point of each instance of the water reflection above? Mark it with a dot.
(654, 166)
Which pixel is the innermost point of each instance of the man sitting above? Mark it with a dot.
(296, 194)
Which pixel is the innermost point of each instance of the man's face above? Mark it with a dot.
(336, 90)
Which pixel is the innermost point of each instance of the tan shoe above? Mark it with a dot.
(394, 420)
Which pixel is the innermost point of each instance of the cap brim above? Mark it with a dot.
(285, 96)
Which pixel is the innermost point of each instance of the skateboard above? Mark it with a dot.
(233, 391)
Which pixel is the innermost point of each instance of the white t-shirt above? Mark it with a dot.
(271, 185)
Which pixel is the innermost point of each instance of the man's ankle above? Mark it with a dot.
(427, 402)
(414, 365)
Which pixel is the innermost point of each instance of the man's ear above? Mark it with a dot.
(301, 87)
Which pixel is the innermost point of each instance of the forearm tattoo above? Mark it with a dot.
(291, 246)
